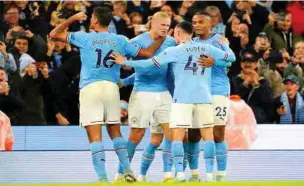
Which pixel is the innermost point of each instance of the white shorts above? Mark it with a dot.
(99, 104)
(149, 107)
(221, 109)
(191, 115)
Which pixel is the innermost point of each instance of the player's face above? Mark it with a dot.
(291, 88)
(201, 24)
(160, 26)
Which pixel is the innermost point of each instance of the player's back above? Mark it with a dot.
(95, 49)
(151, 79)
(190, 79)
(220, 81)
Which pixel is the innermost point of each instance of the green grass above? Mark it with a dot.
(268, 183)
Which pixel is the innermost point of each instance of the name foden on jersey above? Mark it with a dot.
(195, 49)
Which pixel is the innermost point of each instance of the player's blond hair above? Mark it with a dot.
(161, 15)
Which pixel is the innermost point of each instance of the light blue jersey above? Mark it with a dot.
(95, 50)
(190, 79)
(220, 83)
(151, 79)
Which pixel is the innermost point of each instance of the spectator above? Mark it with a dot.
(175, 19)
(32, 84)
(216, 18)
(279, 32)
(137, 24)
(297, 64)
(253, 89)
(139, 6)
(121, 19)
(63, 100)
(58, 53)
(260, 46)
(10, 99)
(251, 14)
(272, 67)
(7, 60)
(297, 11)
(290, 104)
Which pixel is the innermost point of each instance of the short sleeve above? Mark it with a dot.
(129, 48)
(78, 39)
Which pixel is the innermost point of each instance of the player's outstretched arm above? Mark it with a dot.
(149, 52)
(60, 32)
(119, 59)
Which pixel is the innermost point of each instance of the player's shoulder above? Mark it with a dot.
(140, 37)
(216, 36)
(170, 40)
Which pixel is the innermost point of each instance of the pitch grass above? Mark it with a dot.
(268, 183)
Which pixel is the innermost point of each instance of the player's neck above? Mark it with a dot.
(185, 39)
(101, 29)
(205, 36)
(153, 35)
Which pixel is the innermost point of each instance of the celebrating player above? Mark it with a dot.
(220, 89)
(188, 110)
(151, 100)
(99, 94)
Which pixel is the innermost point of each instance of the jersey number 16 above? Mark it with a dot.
(106, 63)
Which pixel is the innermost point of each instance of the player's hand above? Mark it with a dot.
(119, 59)
(79, 16)
(282, 110)
(120, 84)
(206, 61)
(62, 120)
(223, 40)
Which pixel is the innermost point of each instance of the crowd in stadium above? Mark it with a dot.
(39, 77)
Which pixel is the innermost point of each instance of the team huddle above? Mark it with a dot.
(180, 91)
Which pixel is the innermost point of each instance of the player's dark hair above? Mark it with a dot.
(203, 13)
(186, 26)
(103, 15)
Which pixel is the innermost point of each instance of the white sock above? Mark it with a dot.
(118, 176)
(180, 175)
(221, 173)
(168, 175)
(209, 177)
(142, 178)
(195, 172)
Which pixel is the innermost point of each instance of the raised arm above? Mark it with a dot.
(60, 32)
